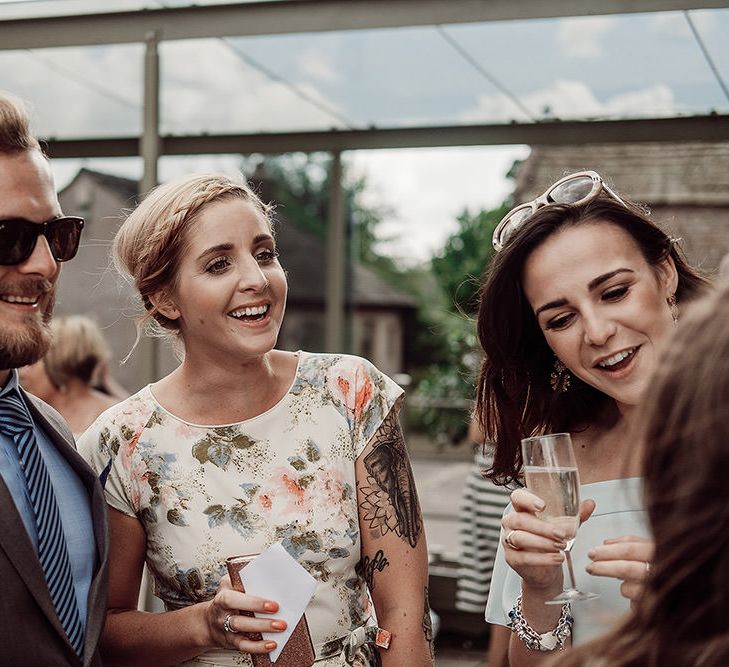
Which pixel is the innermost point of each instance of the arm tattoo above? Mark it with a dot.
(428, 625)
(390, 501)
(366, 568)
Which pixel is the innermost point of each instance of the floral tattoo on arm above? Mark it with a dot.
(389, 499)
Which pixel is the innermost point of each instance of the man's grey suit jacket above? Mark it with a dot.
(30, 633)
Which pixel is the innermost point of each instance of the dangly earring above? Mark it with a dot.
(559, 378)
(673, 305)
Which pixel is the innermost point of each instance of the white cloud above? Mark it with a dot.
(63, 105)
(581, 37)
(653, 101)
(429, 188)
(574, 99)
(204, 88)
(312, 64)
(207, 88)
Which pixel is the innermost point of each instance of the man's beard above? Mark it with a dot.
(26, 344)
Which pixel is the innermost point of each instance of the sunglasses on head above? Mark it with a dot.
(18, 238)
(577, 188)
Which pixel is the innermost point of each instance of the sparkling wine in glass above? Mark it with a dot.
(551, 473)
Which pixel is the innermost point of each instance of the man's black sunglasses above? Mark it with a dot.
(18, 238)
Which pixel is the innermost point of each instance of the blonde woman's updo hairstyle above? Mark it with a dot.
(152, 240)
(78, 351)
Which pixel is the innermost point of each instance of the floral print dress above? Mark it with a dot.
(204, 493)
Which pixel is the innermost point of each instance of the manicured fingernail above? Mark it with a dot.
(270, 606)
(591, 554)
(589, 568)
(269, 646)
(539, 504)
(558, 558)
(278, 625)
(559, 545)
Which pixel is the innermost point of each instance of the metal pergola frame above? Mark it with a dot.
(299, 16)
(151, 26)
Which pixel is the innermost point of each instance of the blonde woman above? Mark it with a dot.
(244, 445)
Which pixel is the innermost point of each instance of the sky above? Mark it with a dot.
(591, 67)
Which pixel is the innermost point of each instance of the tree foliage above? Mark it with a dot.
(457, 270)
(299, 186)
(459, 267)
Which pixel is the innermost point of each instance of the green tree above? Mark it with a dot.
(457, 271)
(299, 185)
(459, 267)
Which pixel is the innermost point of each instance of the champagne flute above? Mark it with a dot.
(551, 473)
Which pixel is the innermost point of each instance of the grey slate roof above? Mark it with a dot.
(659, 174)
(127, 188)
(302, 255)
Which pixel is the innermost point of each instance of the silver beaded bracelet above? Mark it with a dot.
(549, 641)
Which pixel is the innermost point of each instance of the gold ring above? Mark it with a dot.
(509, 543)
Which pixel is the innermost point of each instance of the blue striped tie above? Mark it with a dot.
(15, 422)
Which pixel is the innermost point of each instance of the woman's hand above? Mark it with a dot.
(627, 558)
(229, 628)
(532, 546)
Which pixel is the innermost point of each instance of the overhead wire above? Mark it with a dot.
(302, 94)
(707, 55)
(322, 106)
(70, 74)
(92, 85)
(250, 61)
(484, 73)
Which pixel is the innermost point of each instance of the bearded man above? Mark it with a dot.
(53, 530)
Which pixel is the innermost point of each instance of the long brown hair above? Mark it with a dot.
(514, 398)
(682, 619)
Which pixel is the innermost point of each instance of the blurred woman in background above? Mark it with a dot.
(72, 373)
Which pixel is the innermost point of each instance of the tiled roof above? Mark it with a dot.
(658, 174)
(128, 188)
(302, 255)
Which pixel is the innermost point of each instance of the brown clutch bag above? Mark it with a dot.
(298, 651)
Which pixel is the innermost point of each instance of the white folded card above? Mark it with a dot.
(274, 575)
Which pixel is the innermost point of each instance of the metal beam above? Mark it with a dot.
(149, 142)
(696, 128)
(149, 149)
(336, 261)
(302, 16)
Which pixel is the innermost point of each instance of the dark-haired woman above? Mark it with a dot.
(577, 304)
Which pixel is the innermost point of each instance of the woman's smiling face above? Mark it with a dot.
(601, 307)
(230, 292)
